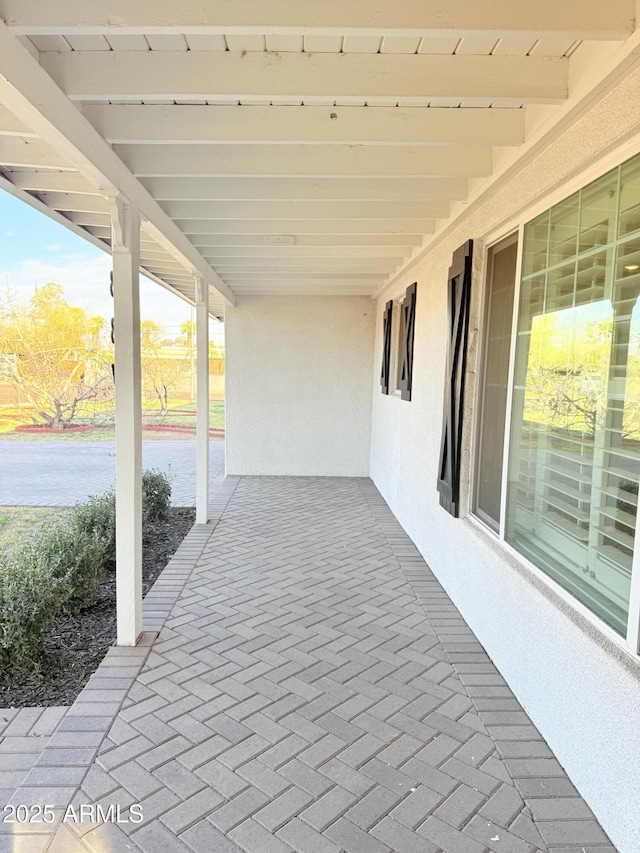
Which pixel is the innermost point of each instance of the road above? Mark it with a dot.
(60, 473)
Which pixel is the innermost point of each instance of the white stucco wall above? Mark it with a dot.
(581, 691)
(298, 390)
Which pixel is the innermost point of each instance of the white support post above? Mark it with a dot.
(125, 231)
(202, 401)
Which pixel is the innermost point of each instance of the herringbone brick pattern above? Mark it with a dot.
(24, 734)
(314, 689)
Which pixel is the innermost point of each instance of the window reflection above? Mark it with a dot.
(575, 440)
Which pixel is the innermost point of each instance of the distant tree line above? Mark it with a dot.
(59, 359)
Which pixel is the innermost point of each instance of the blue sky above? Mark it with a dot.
(35, 250)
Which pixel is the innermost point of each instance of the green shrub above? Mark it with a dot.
(96, 518)
(61, 568)
(31, 597)
(74, 557)
(156, 495)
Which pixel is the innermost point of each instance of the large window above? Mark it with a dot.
(574, 455)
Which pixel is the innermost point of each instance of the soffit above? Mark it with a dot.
(295, 159)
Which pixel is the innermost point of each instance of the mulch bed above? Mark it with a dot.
(77, 644)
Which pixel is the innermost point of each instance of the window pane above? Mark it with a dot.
(563, 230)
(531, 299)
(592, 277)
(629, 198)
(561, 283)
(497, 343)
(597, 212)
(536, 250)
(574, 463)
(399, 345)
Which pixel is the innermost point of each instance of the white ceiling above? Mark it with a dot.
(311, 155)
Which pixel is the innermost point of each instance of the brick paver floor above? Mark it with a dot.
(61, 473)
(312, 688)
(24, 733)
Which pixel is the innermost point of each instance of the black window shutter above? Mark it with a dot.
(408, 309)
(459, 295)
(386, 348)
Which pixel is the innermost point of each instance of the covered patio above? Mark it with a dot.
(311, 688)
(394, 206)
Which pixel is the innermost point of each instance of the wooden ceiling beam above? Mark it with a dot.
(206, 75)
(584, 18)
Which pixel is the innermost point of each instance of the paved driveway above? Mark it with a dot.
(60, 473)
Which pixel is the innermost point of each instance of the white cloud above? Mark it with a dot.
(86, 283)
(53, 247)
(85, 280)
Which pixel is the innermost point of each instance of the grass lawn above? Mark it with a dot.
(18, 523)
(180, 414)
(184, 413)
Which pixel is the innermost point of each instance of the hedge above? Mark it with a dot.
(60, 569)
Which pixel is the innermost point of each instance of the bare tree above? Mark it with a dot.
(163, 368)
(53, 353)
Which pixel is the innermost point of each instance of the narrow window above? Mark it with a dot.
(385, 373)
(406, 336)
(399, 345)
(494, 374)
